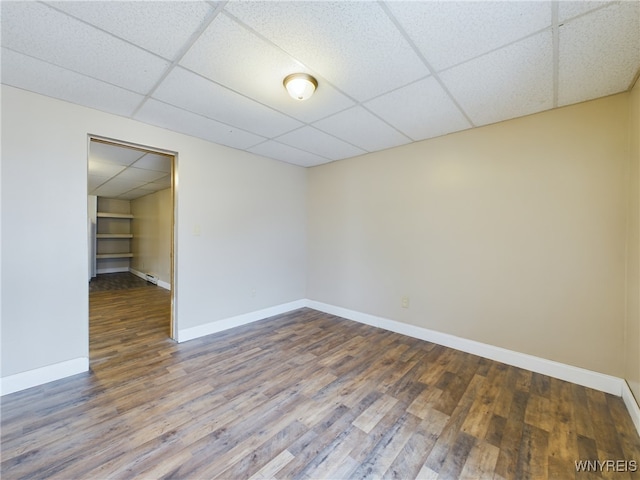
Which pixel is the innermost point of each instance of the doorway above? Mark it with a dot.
(131, 227)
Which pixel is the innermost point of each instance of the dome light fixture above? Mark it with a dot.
(300, 85)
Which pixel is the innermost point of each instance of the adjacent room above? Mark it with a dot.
(130, 215)
(320, 239)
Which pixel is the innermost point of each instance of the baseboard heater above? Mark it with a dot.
(152, 279)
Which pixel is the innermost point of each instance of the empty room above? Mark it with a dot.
(321, 240)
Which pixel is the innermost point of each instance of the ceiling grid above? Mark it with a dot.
(389, 72)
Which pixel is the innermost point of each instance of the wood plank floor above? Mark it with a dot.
(303, 395)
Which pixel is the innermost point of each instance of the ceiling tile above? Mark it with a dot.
(204, 97)
(420, 110)
(221, 65)
(160, 27)
(517, 79)
(495, 61)
(354, 45)
(39, 31)
(106, 192)
(172, 118)
(568, 9)
(95, 181)
(37, 76)
(115, 187)
(136, 193)
(139, 175)
(104, 169)
(160, 184)
(448, 33)
(313, 140)
(599, 53)
(154, 161)
(114, 154)
(285, 153)
(111, 189)
(363, 129)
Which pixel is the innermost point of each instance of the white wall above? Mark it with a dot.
(250, 211)
(512, 234)
(44, 233)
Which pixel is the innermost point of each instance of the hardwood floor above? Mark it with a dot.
(302, 395)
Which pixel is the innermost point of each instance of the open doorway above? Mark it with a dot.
(131, 205)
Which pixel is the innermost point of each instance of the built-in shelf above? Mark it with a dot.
(114, 215)
(113, 247)
(114, 255)
(114, 235)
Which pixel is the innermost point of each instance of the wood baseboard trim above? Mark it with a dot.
(187, 334)
(33, 378)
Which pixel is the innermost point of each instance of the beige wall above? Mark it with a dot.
(151, 228)
(632, 331)
(515, 234)
(511, 234)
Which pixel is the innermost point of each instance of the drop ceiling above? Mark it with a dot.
(389, 73)
(126, 173)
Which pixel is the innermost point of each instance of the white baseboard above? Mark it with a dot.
(112, 270)
(632, 405)
(38, 376)
(581, 376)
(587, 378)
(227, 323)
(598, 381)
(161, 283)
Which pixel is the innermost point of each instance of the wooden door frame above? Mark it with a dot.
(173, 330)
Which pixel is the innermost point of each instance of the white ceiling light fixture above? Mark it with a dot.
(300, 85)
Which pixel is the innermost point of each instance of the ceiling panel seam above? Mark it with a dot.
(75, 72)
(497, 49)
(100, 29)
(226, 87)
(218, 121)
(275, 139)
(303, 150)
(417, 51)
(182, 52)
(278, 47)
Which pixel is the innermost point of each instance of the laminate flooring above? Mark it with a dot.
(303, 395)
(117, 281)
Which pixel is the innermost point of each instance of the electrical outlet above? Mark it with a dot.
(253, 292)
(405, 302)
